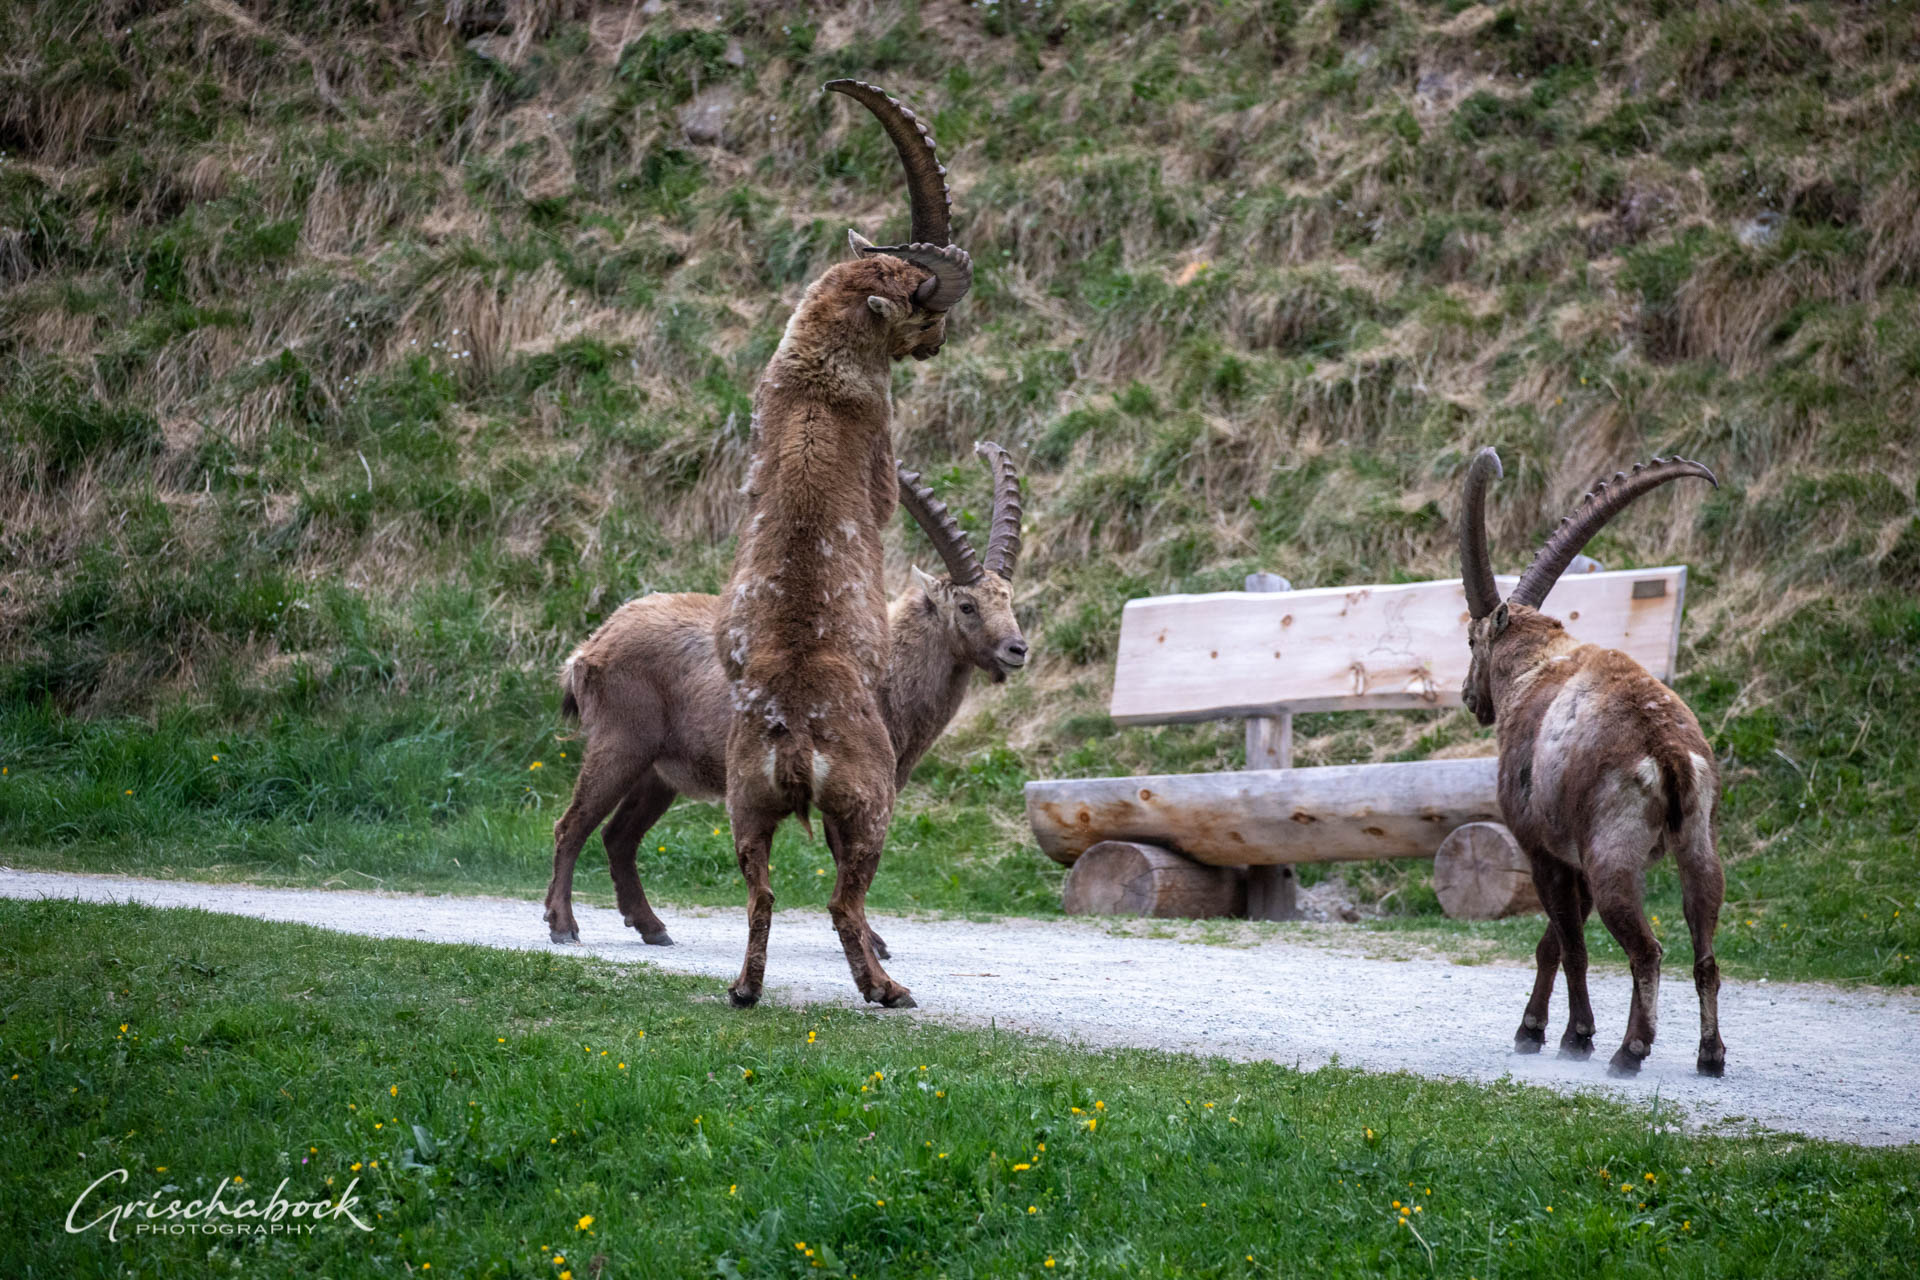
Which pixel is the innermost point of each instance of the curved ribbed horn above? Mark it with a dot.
(932, 515)
(952, 272)
(1003, 543)
(931, 245)
(926, 180)
(1476, 567)
(1606, 500)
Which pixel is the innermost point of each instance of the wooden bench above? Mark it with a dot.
(1225, 843)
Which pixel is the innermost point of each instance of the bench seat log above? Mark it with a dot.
(1341, 813)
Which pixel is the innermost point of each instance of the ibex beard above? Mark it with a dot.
(803, 636)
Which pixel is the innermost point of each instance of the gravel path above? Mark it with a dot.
(1807, 1059)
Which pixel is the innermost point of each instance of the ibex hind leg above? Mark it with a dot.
(752, 847)
(856, 842)
(622, 835)
(1617, 894)
(604, 779)
(1702, 888)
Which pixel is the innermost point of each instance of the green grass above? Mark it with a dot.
(189, 1048)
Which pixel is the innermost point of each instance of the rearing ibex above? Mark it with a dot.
(651, 697)
(1602, 768)
(804, 637)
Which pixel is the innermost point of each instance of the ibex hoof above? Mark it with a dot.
(658, 938)
(1624, 1064)
(564, 935)
(1528, 1040)
(1711, 1062)
(742, 999)
(1576, 1046)
(903, 999)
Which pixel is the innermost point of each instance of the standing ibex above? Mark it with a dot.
(652, 698)
(1602, 768)
(803, 637)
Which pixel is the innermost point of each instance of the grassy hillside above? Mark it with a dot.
(356, 360)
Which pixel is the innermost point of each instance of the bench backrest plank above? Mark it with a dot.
(1399, 647)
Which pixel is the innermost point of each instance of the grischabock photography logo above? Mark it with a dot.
(227, 1210)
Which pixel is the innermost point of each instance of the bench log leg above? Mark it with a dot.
(1272, 893)
(1126, 878)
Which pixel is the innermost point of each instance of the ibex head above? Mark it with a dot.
(1490, 616)
(974, 602)
(917, 317)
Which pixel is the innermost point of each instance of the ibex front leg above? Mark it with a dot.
(1564, 946)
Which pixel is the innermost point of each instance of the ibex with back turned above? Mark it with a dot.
(1602, 769)
(652, 698)
(803, 634)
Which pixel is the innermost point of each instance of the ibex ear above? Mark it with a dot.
(1500, 618)
(859, 243)
(885, 308)
(926, 580)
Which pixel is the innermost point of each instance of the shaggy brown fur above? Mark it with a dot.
(652, 698)
(1602, 769)
(803, 636)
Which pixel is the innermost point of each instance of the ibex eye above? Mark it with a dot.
(966, 608)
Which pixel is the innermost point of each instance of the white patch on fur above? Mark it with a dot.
(1648, 772)
(1559, 743)
(849, 530)
(773, 763)
(1650, 1001)
(1700, 765)
(821, 767)
(826, 549)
